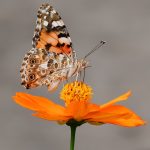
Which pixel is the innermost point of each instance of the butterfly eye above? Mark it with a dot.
(31, 77)
(32, 61)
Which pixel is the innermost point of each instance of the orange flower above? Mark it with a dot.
(79, 109)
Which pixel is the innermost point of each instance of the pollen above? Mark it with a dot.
(76, 91)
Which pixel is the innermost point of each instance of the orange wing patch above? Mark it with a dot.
(47, 38)
(50, 41)
(67, 49)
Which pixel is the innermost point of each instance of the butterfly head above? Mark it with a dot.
(82, 64)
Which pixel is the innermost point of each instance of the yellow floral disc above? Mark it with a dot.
(76, 91)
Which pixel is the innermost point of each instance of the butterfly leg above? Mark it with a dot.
(80, 74)
(63, 83)
(84, 72)
(77, 76)
(67, 80)
(84, 75)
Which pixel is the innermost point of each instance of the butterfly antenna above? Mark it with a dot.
(101, 43)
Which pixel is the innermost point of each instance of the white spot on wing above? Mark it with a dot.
(45, 23)
(44, 65)
(53, 11)
(59, 23)
(54, 24)
(64, 40)
(61, 57)
(47, 7)
(43, 11)
(38, 26)
(69, 39)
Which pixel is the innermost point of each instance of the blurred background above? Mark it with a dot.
(123, 63)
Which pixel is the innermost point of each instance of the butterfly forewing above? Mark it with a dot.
(51, 33)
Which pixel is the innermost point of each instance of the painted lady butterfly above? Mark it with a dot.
(52, 58)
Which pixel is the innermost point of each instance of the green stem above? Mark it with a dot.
(73, 133)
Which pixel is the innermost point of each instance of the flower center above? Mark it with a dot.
(76, 91)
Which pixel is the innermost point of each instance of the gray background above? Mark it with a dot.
(122, 64)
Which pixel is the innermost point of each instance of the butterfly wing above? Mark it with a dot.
(52, 48)
(51, 33)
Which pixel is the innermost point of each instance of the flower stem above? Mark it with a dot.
(72, 140)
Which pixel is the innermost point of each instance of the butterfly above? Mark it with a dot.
(52, 58)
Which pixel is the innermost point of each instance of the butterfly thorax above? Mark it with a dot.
(68, 69)
(76, 67)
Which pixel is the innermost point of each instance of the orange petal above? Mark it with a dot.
(40, 104)
(78, 110)
(118, 99)
(52, 117)
(32, 102)
(116, 114)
